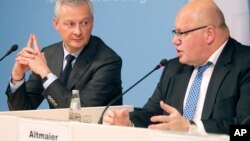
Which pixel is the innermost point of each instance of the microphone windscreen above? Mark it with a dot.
(14, 47)
(163, 62)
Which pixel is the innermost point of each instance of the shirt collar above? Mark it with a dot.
(214, 57)
(76, 54)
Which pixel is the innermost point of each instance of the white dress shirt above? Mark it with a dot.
(203, 90)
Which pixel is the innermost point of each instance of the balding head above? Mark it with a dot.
(202, 12)
(200, 30)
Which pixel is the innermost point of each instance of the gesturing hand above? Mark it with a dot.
(173, 121)
(38, 62)
(30, 58)
(117, 117)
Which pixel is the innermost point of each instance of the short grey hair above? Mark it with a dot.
(59, 3)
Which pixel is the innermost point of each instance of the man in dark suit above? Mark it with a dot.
(95, 69)
(201, 37)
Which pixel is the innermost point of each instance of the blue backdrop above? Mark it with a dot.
(138, 30)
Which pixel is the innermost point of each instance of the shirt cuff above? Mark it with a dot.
(14, 87)
(49, 80)
(198, 128)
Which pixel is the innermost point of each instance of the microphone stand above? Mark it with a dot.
(114, 100)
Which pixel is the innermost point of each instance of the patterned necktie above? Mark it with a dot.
(67, 69)
(194, 93)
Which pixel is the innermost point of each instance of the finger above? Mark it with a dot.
(159, 126)
(161, 118)
(167, 108)
(110, 113)
(29, 44)
(36, 46)
(27, 52)
(124, 112)
(43, 56)
(22, 60)
(109, 117)
(108, 121)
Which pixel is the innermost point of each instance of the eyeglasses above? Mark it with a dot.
(179, 33)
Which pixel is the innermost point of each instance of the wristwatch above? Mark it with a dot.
(49, 75)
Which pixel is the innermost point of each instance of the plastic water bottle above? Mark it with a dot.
(75, 113)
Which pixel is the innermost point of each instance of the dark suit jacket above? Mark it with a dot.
(228, 95)
(96, 73)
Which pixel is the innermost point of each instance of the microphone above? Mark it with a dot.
(12, 49)
(161, 64)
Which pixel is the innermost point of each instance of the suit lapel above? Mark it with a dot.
(222, 68)
(83, 62)
(56, 61)
(180, 86)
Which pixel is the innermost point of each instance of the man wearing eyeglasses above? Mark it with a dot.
(207, 87)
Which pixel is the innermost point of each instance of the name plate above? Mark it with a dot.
(41, 130)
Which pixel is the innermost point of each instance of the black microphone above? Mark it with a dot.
(162, 64)
(13, 48)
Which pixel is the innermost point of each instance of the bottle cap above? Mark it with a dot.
(75, 92)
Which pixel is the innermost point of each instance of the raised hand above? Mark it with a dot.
(21, 65)
(30, 58)
(173, 121)
(37, 63)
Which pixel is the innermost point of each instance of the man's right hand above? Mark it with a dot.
(117, 117)
(21, 65)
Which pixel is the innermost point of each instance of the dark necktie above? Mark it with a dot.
(67, 69)
(194, 92)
